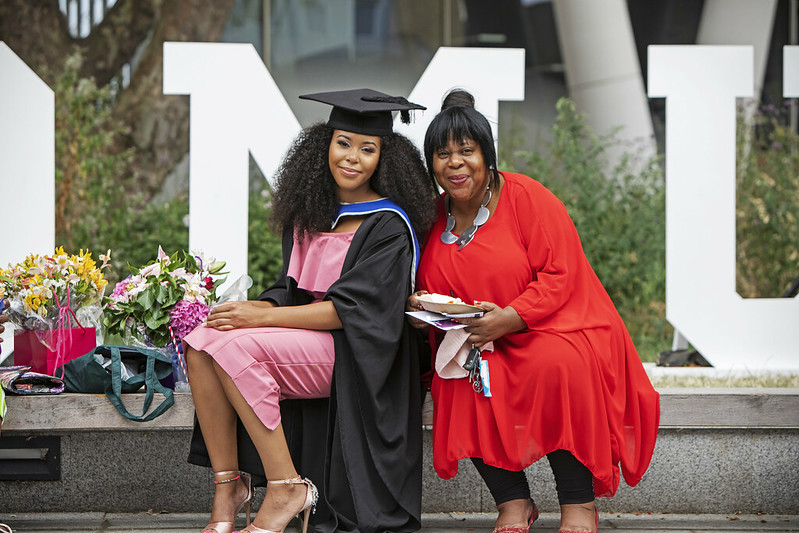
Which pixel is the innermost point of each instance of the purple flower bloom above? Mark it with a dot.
(187, 315)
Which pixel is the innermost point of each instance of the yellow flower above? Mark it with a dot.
(33, 301)
(39, 280)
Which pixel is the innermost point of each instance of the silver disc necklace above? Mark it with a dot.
(447, 237)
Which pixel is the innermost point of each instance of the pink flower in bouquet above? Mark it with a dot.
(162, 257)
(151, 270)
(126, 289)
(187, 315)
(120, 290)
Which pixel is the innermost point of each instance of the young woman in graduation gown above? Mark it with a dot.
(328, 340)
(559, 375)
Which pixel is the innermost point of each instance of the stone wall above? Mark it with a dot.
(718, 451)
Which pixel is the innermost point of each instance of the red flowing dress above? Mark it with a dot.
(571, 380)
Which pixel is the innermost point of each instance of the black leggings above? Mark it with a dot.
(573, 481)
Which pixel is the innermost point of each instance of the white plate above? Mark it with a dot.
(447, 308)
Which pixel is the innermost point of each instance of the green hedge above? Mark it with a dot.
(767, 209)
(619, 211)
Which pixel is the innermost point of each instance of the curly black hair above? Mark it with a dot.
(305, 192)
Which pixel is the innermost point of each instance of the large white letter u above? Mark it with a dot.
(700, 84)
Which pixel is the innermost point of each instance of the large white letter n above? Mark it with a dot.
(700, 84)
(236, 108)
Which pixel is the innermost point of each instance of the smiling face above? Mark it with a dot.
(353, 159)
(461, 171)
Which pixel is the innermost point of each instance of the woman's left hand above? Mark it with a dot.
(495, 322)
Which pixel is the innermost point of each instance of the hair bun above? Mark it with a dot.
(458, 98)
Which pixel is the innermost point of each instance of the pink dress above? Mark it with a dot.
(271, 364)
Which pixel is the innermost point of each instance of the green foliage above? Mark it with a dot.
(98, 206)
(138, 232)
(265, 257)
(619, 212)
(89, 173)
(767, 211)
(165, 225)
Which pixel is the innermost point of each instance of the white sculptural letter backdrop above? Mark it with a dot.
(27, 160)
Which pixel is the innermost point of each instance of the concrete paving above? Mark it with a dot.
(433, 523)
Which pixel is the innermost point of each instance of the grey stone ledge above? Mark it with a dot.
(733, 408)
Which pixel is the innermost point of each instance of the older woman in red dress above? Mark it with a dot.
(560, 375)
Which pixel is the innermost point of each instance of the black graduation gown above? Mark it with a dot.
(369, 475)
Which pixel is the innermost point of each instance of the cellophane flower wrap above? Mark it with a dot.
(42, 288)
(158, 304)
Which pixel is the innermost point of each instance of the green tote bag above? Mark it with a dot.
(86, 374)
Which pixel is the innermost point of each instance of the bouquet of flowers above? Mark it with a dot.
(161, 302)
(41, 288)
(55, 301)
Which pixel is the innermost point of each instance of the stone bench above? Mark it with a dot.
(718, 451)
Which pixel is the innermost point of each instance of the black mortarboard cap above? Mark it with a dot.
(363, 111)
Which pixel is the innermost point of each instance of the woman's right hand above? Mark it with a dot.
(234, 315)
(413, 304)
(496, 322)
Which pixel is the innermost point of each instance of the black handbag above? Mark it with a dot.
(146, 368)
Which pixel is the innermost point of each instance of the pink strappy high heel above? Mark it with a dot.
(228, 527)
(309, 506)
